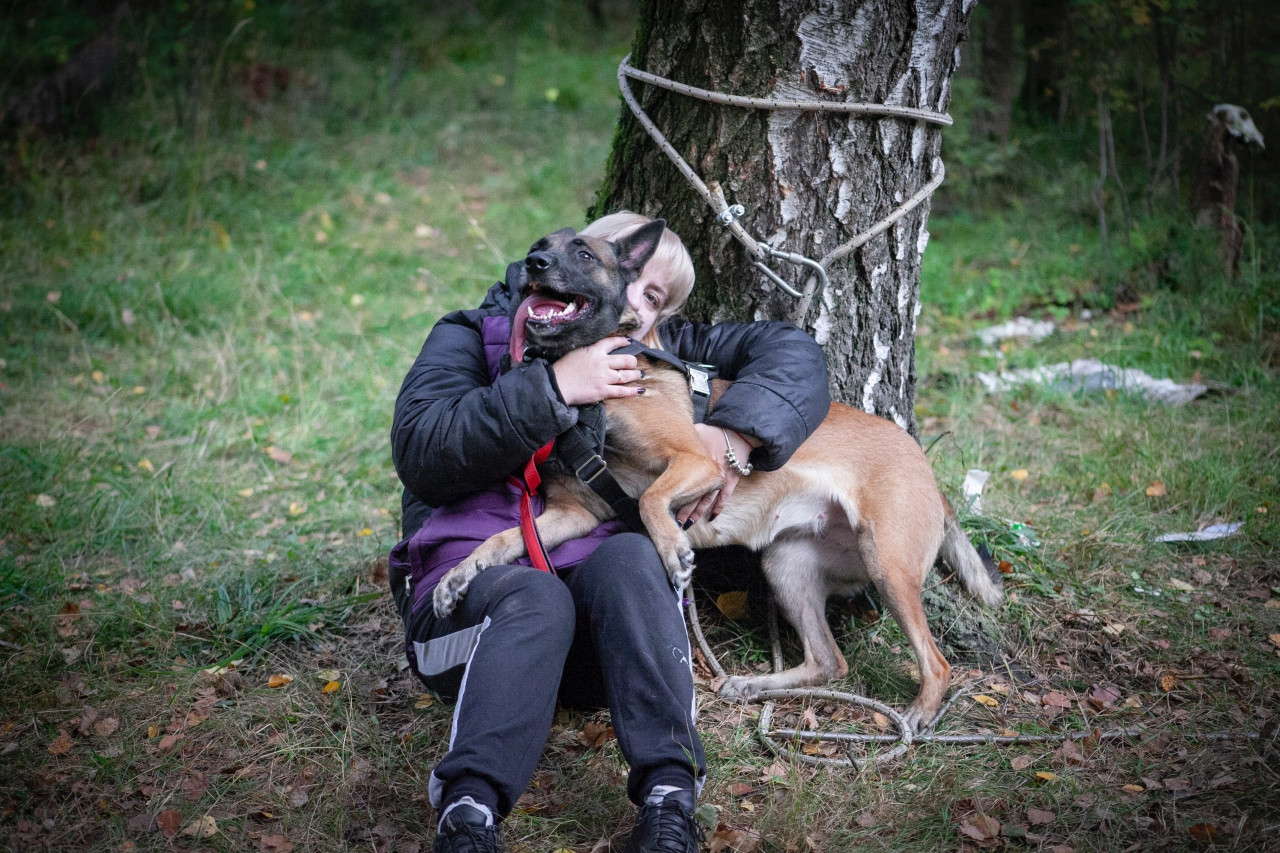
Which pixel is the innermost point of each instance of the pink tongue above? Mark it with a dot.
(518, 330)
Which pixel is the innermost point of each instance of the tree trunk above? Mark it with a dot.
(996, 70)
(809, 182)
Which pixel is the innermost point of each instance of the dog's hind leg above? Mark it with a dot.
(560, 521)
(897, 561)
(797, 575)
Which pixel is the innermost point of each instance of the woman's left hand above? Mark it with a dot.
(712, 503)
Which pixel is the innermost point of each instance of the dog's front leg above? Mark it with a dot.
(562, 520)
(688, 477)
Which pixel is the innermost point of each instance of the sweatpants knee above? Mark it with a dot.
(527, 593)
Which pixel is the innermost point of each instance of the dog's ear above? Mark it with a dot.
(634, 251)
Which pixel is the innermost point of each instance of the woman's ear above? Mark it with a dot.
(635, 250)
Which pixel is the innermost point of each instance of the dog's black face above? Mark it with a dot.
(574, 290)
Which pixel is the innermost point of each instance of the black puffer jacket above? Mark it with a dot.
(454, 431)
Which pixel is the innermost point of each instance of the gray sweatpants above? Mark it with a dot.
(608, 632)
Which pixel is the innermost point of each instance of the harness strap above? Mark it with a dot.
(699, 376)
(578, 453)
(528, 485)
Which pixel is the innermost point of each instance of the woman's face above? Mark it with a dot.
(647, 296)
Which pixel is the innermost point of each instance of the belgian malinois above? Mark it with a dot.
(857, 503)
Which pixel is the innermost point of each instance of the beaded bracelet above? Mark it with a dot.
(740, 469)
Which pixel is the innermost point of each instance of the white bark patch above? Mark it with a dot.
(924, 43)
(900, 239)
(918, 137)
(877, 277)
(922, 240)
(882, 355)
(829, 41)
(822, 325)
(898, 419)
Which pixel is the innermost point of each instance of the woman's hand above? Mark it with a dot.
(711, 504)
(590, 374)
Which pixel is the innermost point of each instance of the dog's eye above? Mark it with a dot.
(585, 255)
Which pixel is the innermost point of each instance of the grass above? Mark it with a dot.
(204, 328)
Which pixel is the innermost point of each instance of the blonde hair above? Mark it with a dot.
(670, 254)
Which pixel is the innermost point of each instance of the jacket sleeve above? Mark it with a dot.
(779, 373)
(453, 432)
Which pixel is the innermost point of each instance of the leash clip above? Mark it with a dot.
(791, 258)
(595, 457)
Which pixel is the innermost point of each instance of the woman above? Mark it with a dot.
(607, 629)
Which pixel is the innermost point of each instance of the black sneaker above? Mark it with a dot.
(464, 830)
(667, 827)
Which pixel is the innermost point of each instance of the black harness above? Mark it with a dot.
(580, 448)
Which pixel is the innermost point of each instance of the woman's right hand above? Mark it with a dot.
(589, 374)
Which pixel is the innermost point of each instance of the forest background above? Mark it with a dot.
(225, 228)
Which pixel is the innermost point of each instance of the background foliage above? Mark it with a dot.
(215, 268)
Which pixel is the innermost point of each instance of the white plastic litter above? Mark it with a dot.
(974, 480)
(1089, 374)
(1213, 531)
(1018, 327)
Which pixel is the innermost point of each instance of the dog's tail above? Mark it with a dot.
(978, 574)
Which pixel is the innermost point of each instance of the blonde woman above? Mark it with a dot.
(606, 629)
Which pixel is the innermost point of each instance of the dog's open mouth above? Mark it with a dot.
(545, 311)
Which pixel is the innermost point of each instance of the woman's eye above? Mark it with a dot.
(653, 299)
(586, 256)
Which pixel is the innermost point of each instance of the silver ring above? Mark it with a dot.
(619, 372)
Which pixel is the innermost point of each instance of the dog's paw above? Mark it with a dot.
(917, 718)
(740, 688)
(679, 565)
(452, 588)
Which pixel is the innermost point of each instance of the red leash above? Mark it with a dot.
(527, 486)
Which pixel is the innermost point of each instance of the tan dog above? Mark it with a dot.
(856, 504)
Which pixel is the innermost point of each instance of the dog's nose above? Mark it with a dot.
(538, 262)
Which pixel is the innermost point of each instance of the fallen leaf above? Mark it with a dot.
(1133, 789)
(202, 827)
(1019, 474)
(1103, 697)
(1045, 776)
(594, 734)
(1056, 700)
(810, 720)
(62, 744)
(279, 680)
(45, 501)
(1072, 753)
(298, 797)
(426, 700)
(331, 687)
(983, 699)
(279, 454)
(980, 827)
(1040, 817)
(275, 844)
(740, 789)
(1206, 833)
(145, 465)
(777, 771)
(734, 840)
(1156, 489)
(1168, 682)
(1022, 762)
(106, 726)
(732, 604)
(169, 820)
(1275, 640)
(143, 823)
